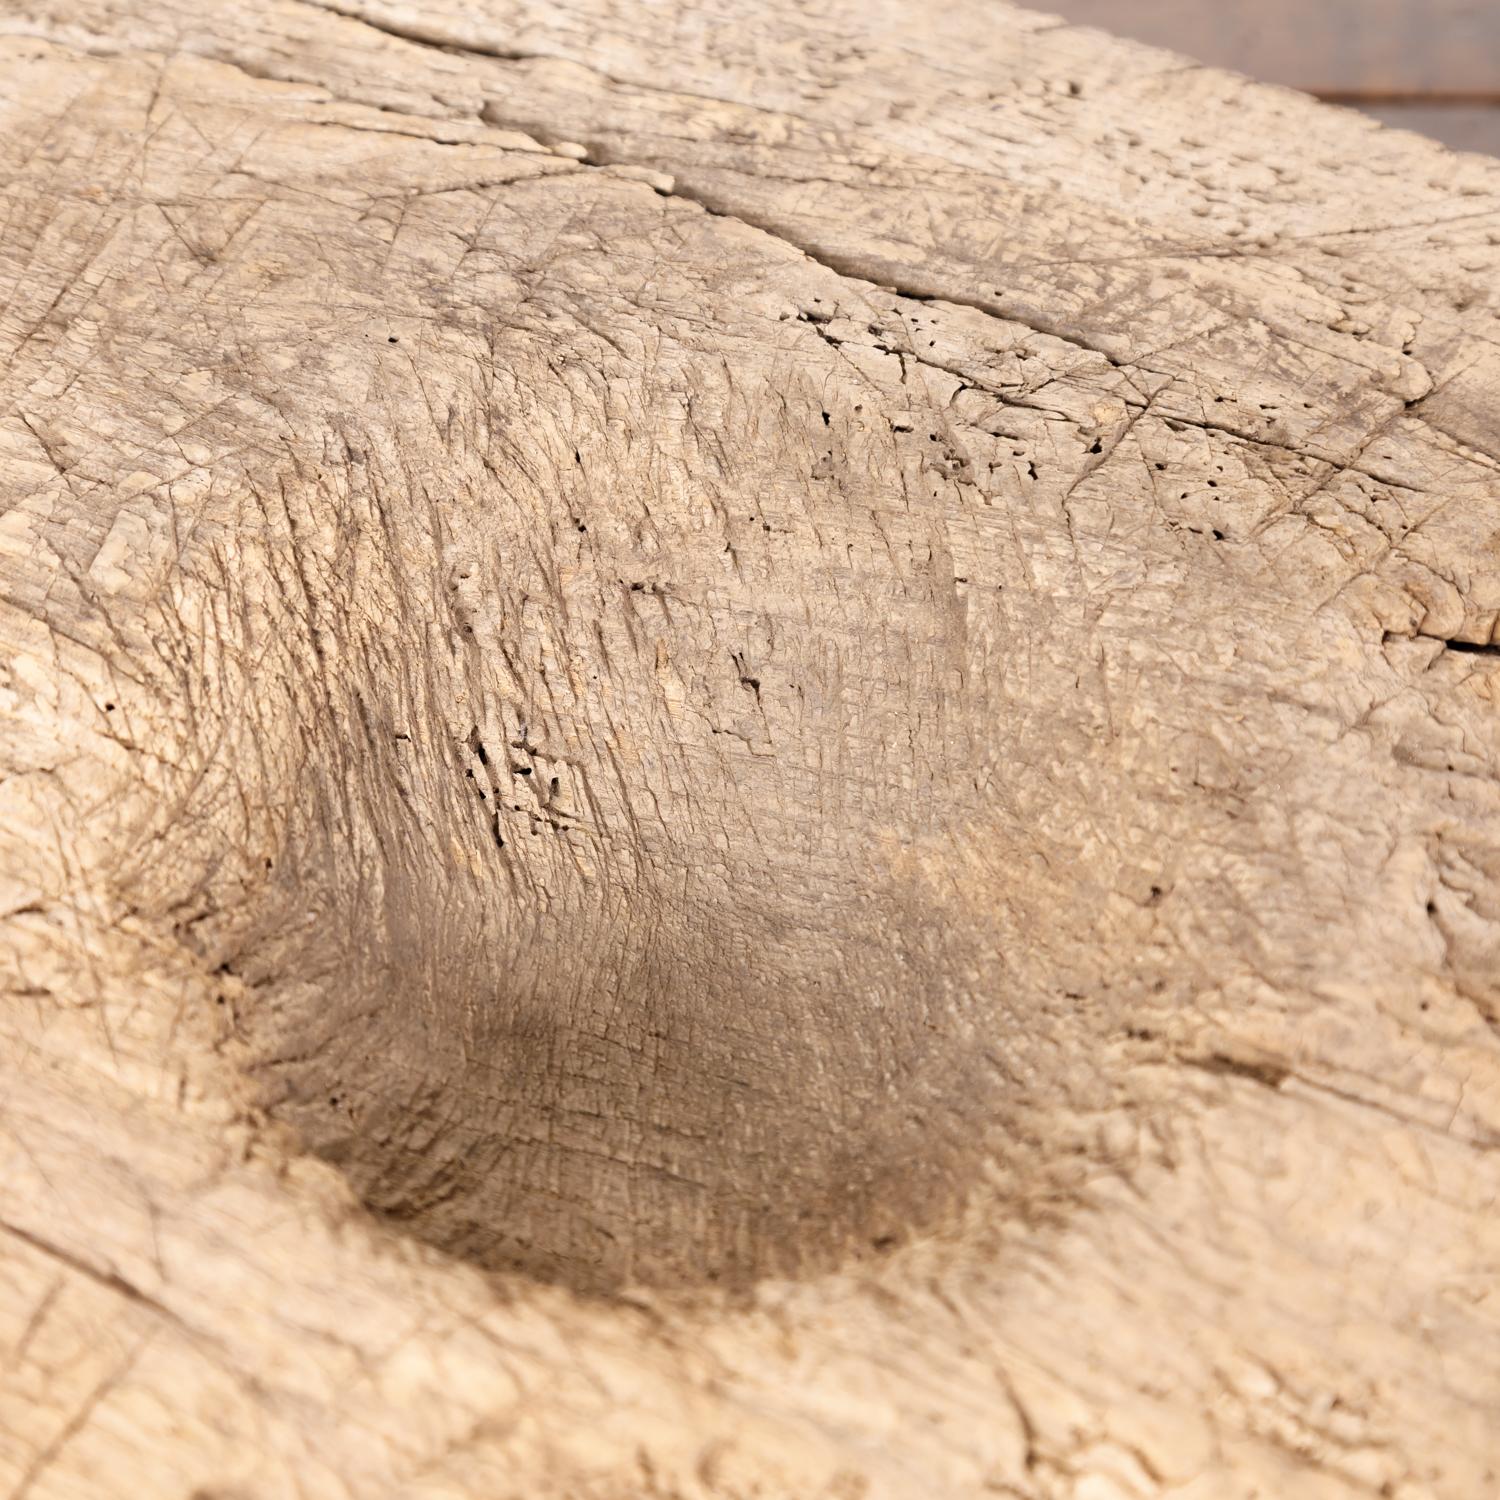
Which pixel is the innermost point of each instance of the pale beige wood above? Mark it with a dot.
(961, 558)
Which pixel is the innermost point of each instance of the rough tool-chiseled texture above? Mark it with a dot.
(744, 751)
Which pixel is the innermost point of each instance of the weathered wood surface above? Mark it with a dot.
(817, 684)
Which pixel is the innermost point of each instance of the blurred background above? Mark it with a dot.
(1428, 65)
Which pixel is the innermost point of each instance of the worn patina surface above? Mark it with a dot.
(741, 752)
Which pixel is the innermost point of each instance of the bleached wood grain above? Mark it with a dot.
(813, 689)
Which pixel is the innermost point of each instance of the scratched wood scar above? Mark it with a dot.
(743, 752)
